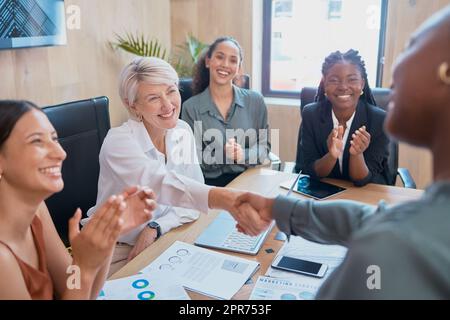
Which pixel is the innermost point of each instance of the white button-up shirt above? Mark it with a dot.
(346, 132)
(128, 157)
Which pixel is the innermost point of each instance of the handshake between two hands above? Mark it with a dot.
(135, 205)
(253, 212)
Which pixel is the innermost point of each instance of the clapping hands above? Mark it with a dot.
(234, 151)
(140, 203)
(335, 142)
(118, 215)
(360, 141)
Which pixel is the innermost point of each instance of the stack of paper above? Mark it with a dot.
(297, 247)
(284, 285)
(205, 271)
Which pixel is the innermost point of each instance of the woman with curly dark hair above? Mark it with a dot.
(239, 115)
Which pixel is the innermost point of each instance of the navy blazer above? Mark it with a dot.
(316, 126)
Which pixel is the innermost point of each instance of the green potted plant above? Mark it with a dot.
(140, 46)
(183, 61)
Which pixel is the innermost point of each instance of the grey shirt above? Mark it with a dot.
(248, 113)
(409, 242)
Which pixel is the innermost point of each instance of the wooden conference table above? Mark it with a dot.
(266, 182)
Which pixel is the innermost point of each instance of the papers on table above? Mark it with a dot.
(151, 286)
(292, 284)
(267, 288)
(208, 272)
(297, 247)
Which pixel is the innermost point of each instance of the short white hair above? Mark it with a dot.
(150, 70)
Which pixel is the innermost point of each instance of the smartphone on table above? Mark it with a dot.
(305, 267)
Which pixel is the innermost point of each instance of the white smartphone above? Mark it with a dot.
(300, 266)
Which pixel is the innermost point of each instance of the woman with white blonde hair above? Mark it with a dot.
(156, 149)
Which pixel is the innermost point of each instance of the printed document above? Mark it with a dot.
(267, 288)
(202, 270)
(152, 286)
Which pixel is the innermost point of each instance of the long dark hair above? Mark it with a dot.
(10, 112)
(353, 57)
(201, 74)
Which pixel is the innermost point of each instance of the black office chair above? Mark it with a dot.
(81, 127)
(381, 96)
(185, 86)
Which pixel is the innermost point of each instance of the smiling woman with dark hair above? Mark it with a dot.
(231, 120)
(342, 135)
(33, 258)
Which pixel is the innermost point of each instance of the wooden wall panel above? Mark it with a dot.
(210, 19)
(404, 16)
(86, 67)
(287, 120)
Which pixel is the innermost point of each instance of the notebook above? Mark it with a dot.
(222, 234)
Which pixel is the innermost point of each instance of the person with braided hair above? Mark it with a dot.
(394, 251)
(342, 135)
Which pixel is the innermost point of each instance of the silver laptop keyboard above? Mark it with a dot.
(239, 241)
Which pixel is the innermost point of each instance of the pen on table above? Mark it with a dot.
(295, 181)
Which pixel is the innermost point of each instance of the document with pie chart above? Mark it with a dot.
(150, 286)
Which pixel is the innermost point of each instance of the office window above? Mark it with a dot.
(299, 34)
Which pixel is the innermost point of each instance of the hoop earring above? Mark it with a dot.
(362, 92)
(139, 117)
(442, 72)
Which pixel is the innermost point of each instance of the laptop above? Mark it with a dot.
(222, 234)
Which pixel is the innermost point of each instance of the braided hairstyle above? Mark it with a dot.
(353, 57)
(201, 73)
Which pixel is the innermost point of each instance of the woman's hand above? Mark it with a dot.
(249, 221)
(234, 151)
(257, 209)
(140, 203)
(360, 141)
(94, 244)
(335, 143)
(145, 239)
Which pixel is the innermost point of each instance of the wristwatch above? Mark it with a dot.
(155, 225)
